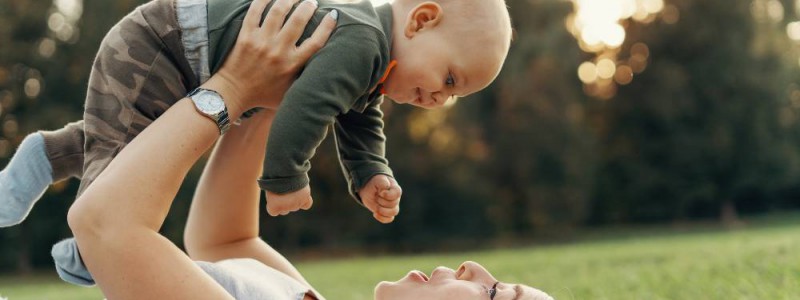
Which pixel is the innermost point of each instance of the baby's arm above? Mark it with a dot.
(361, 145)
(331, 82)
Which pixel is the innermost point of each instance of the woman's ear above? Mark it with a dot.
(423, 16)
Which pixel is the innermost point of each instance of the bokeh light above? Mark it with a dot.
(32, 87)
(10, 128)
(63, 24)
(775, 10)
(767, 10)
(652, 6)
(56, 21)
(599, 28)
(587, 72)
(6, 99)
(597, 23)
(606, 68)
(33, 83)
(47, 47)
(793, 30)
(623, 75)
(71, 9)
(670, 14)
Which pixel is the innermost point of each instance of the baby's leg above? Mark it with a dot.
(43, 157)
(65, 151)
(24, 180)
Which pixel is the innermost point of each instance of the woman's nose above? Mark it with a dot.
(473, 271)
(442, 271)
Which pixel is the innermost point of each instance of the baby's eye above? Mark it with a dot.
(450, 81)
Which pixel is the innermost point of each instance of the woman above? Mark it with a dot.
(118, 235)
(223, 224)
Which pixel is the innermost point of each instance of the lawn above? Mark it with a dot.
(759, 262)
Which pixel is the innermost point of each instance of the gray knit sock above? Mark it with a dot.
(24, 180)
(69, 264)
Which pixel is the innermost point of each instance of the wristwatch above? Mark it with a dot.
(210, 104)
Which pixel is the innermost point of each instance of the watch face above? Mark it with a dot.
(209, 102)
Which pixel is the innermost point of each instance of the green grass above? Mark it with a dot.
(761, 262)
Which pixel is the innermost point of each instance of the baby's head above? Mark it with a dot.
(446, 48)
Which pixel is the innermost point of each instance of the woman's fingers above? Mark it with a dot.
(319, 37)
(252, 19)
(296, 23)
(276, 15)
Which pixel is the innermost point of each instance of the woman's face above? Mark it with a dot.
(470, 281)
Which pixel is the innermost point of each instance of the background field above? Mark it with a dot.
(634, 120)
(756, 262)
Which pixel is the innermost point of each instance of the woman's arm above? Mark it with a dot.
(116, 220)
(223, 220)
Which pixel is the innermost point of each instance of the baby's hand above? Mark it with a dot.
(283, 204)
(381, 195)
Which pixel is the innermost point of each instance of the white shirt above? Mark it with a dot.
(249, 279)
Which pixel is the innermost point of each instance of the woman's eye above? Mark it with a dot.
(492, 291)
(450, 81)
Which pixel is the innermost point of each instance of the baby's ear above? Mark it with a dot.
(425, 15)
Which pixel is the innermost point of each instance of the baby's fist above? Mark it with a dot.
(381, 195)
(283, 204)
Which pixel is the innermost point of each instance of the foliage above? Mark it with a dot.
(709, 126)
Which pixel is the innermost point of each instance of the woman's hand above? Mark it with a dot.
(265, 59)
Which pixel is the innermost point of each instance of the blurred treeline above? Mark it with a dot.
(706, 131)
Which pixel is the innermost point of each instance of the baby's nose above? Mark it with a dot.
(439, 98)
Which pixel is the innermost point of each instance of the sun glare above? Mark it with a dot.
(598, 26)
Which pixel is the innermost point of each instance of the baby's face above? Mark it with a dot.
(438, 62)
(430, 70)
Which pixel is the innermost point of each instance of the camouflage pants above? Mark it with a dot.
(139, 72)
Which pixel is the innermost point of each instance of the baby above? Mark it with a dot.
(413, 51)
